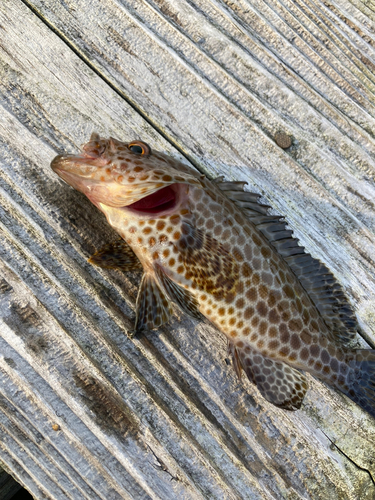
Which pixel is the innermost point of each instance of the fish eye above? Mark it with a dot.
(139, 148)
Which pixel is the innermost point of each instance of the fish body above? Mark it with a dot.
(212, 249)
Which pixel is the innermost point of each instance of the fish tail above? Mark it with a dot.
(360, 380)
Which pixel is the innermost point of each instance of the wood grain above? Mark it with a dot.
(162, 415)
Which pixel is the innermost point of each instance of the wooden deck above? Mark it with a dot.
(87, 413)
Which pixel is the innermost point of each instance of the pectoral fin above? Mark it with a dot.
(184, 299)
(153, 307)
(116, 255)
(278, 382)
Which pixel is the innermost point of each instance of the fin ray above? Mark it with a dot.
(184, 299)
(278, 382)
(359, 384)
(116, 255)
(153, 308)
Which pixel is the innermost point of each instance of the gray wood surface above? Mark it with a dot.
(86, 412)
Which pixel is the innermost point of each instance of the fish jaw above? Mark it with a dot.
(80, 172)
(94, 156)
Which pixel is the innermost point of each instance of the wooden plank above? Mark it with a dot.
(162, 415)
(243, 72)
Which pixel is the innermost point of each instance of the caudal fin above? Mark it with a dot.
(361, 379)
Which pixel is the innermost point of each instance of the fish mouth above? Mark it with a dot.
(161, 202)
(80, 163)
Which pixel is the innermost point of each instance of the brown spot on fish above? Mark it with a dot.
(274, 345)
(318, 366)
(266, 252)
(284, 337)
(273, 332)
(246, 270)
(262, 308)
(295, 341)
(229, 298)
(306, 338)
(289, 292)
(240, 303)
(295, 325)
(284, 351)
(255, 321)
(255, 279)
(304, 354)
(248, 313)
(263, 327)
(263, 291)
(273, 316)
(252, 294)
(314, 350)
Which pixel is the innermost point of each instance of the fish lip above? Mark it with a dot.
(57, 161)
(60, 161)
(68, 177)
(63, 165)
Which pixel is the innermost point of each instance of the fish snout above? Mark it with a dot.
(56, 162)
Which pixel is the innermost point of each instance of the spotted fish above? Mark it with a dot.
(212, 249)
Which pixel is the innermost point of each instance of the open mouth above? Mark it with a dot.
(163, 201)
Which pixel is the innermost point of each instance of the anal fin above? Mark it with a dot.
(232, 351)
(278, 382)
(116, 255)
(153, 307)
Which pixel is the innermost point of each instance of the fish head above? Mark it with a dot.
(115, 174)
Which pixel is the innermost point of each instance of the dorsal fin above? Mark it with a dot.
(322, 287)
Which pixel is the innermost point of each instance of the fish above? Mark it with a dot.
(213, 249)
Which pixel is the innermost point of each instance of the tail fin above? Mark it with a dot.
(361, 379)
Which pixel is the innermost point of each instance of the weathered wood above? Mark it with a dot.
(162, 415)
(221, 80)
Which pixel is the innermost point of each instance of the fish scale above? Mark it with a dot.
(211, 248)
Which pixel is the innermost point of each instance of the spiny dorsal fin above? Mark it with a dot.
(184, 299)
(322, 287)
(116, 255)
(153, 307)
(279, 383)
